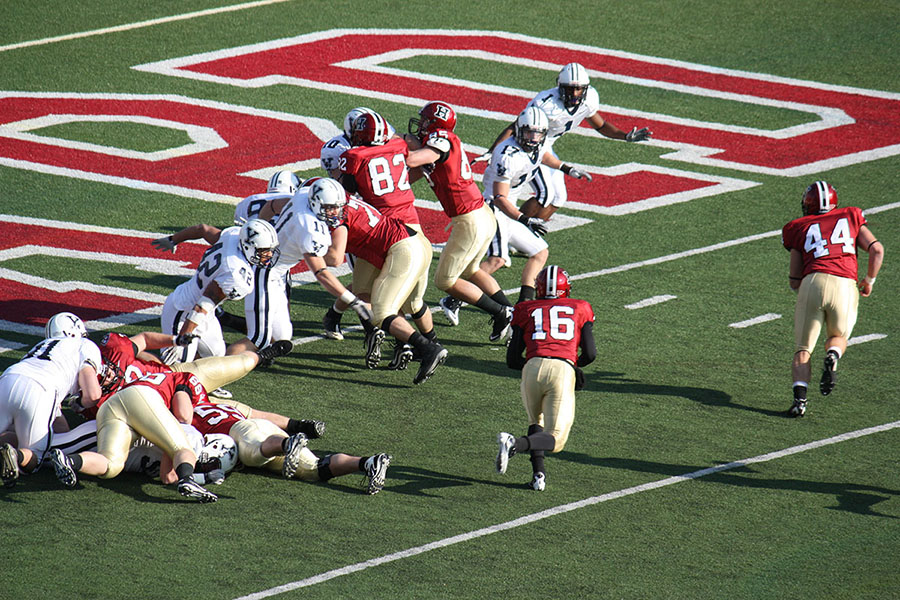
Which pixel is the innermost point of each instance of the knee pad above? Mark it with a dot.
(386, 324)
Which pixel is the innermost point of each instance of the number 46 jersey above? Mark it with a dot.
(552, 326)
(827, 242)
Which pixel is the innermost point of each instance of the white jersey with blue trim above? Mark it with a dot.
(249, 207)
(513, 165)
(223, 262)
(54, 364)
(559, 117)
(300, 231)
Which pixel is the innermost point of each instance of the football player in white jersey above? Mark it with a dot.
(301, 236)
(282, 186)
(225, 273)
(572, 101)
(513, 175)
(66, 363)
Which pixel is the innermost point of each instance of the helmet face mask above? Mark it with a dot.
(433, 116)
(327, 199)
(221, 446)
(818, 199)
(369, 129)
(573, 82)
(283, 182)
(259, 243)
(110, 376)
(531, 129)
(65, 324)
(552, 282)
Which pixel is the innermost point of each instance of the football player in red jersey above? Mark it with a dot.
(375, 168)
(151, 407)
(823, 270)
(401, 267)
(439, 152)
(549, 330)
(261, 444)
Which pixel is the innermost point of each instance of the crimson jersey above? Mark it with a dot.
(369, 233)
(827, 242)
(451, 178)
(169, 383)
(552, 326)
(215, 418)
(382, 177)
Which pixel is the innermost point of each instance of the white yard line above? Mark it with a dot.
(562, 509)
(755, 320)
(138, 25)
(650, 301)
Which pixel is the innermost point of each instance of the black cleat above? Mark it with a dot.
(373, 348)
(275, 350)
(829, 377)
(501, 324)
(331, 326)
(450, 306)
(403, 354)
(312, 428)
(62, 466)
(191, 489)
(376, 470)
(293, 447)
(9, 465)
(798, 409)
(432, 357)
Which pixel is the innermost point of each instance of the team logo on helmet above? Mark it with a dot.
(327, 199)
(433, 116)
(259, 242)
(65, 324)
(369, 129)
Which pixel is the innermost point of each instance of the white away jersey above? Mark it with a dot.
(559, 117)
(300, 231)
(510, 164)
(55, 362)
(249, 207)
(224, 263)
(143, 454)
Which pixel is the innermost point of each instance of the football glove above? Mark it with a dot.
(185, 339)
(362, 310)
(482, 158)
(579, 379)
(536, 225)
(638, 135)
(576, 173)
(164, 244)
(74, 403)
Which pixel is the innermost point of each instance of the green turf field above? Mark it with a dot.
(677, 390)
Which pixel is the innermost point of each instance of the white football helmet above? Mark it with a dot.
(531, 128)
(351, 116)
(572, 78)
(326, 193)
(259, 242)
(221, 446)
(65, 324)
(283, 182)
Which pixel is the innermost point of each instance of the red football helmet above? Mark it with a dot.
(433, 116)
(818, 199)
(552, 282)
(369, 129)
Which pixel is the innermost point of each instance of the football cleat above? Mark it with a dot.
(403, 354)
(191, 489)
(373, 348)
(293, 446)
(798, 409)
(312, 429)
(506, 448)
(829, 377)
(501, 324)
(538, 482)
(450, 306)
(331, 327)
(9, 465)
(376, 470)
(221, 394)
(432, 358)
(62, 466)
(275, 350)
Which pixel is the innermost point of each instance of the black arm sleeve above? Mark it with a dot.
(588, 348)
(514, 358)
(183, 388)
(349, 183)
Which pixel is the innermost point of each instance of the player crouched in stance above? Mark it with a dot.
(262, 444)
(823, 272)
(152, 407)
(549, 330)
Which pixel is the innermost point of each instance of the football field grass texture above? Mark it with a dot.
(682, 478)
